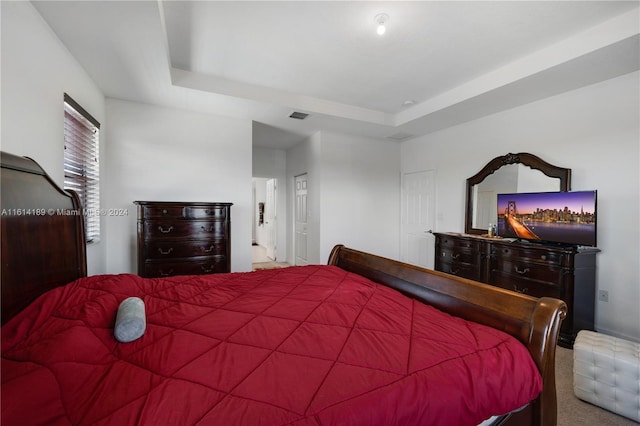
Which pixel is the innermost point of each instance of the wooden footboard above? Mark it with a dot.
(535, 322)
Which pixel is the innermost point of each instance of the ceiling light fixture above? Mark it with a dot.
(381, 19)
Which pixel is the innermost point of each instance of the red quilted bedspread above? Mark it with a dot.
(310, 345)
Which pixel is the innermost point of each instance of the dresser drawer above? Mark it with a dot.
(172, 249)
(167, 211)
(517, 269)
(531, 255)
(459, 256)
(184, 229)
(212, 265)
(460, 269)
(173, 211)
(217, 213)
(458, 243)
(527, 286)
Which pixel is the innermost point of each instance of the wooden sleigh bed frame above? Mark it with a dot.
(43, 248)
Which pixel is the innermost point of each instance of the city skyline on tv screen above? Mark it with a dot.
(558, 217)
(528, 202)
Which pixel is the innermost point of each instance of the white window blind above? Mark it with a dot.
(82, 163)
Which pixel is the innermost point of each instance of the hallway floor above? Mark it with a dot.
(260, 260)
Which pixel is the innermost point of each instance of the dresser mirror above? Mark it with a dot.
(509, 173)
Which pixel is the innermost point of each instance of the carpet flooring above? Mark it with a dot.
(573, 411)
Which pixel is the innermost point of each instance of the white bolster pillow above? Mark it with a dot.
(130, 320)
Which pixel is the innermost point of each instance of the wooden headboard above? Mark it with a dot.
(42, 234)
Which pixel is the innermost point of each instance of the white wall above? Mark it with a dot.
(360, 195)
(162, 154)
(272, 163)
(595, 131)
(37, 69)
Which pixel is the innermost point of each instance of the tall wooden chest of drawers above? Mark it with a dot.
(183, 238)
(566, 273)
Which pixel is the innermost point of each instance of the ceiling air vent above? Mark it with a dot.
(298, 115)
(400, 136)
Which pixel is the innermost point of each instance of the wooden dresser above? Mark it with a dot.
(180, 238)
(566, 273)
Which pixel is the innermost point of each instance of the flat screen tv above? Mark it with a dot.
(565, 218)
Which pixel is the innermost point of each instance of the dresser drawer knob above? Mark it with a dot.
(165, 252)
(523, 291)
(208, 250)
(165, 231)
(208, 269)
(208, 228)
(164, 211)
(455, 256)
(165, 274)
(521, 271)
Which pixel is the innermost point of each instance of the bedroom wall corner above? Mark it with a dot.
(37, 69)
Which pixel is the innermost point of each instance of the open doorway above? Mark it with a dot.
(265, 224)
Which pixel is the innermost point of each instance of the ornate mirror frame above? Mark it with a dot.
(524, 158)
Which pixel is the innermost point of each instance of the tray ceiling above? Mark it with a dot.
(453, 61)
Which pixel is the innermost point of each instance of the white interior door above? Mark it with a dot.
(418, 208)
(270, 219)
(301, 216)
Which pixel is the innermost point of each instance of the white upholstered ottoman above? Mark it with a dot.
(606, 373)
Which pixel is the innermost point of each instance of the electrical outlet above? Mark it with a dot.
(603, 295)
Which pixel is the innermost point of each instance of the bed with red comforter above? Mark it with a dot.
(364, 340)
(312, 345)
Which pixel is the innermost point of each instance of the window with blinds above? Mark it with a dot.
(82, 163)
